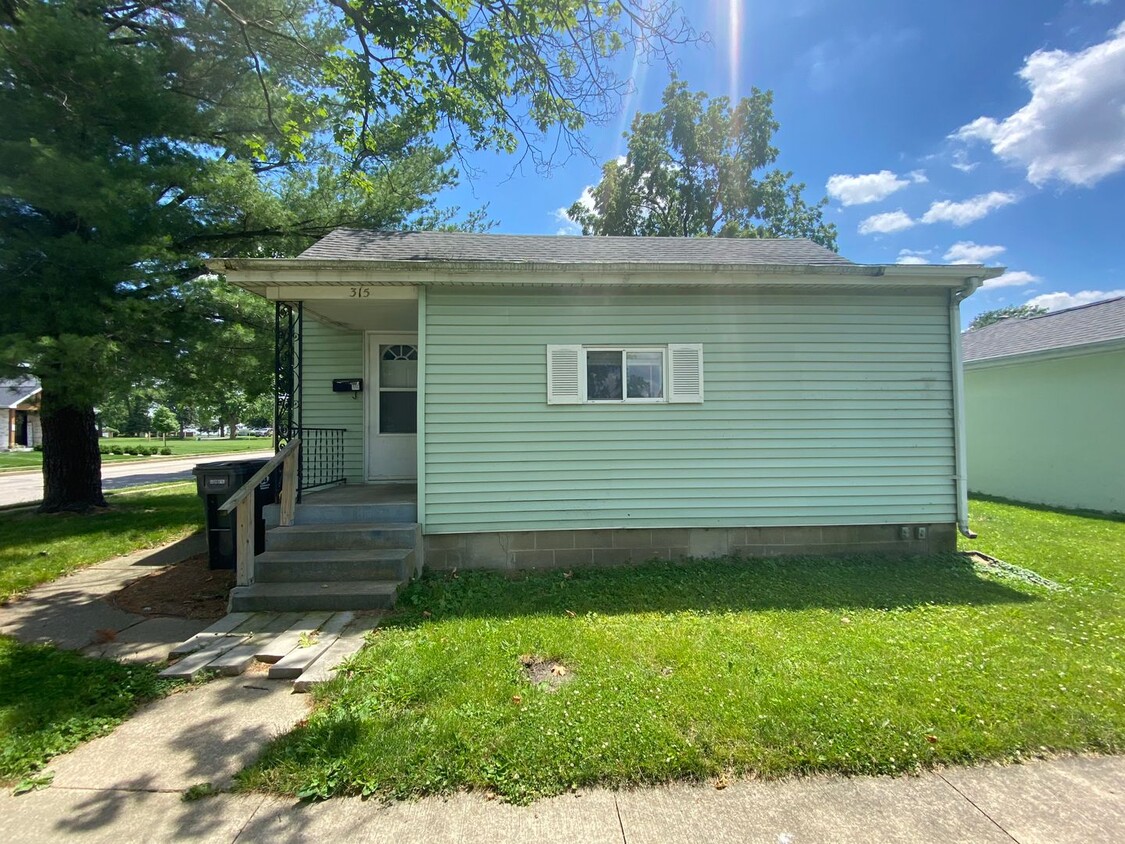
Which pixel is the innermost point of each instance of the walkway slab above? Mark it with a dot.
(290, 666)
(146, 641)
(116, 817)
(589, 818)
(204, 734)
(349, 643)
(70, 612)
(1080, 799)
(860, 810)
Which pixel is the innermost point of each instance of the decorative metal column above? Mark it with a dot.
(288, 354)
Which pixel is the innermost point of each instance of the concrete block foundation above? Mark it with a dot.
(622, 546)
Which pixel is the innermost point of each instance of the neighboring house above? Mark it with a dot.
(21, 428)
(1045, 407)
(586, 400)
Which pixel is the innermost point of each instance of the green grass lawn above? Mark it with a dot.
(52, 700)
(37, 548)
(24, 460)
(856, 665)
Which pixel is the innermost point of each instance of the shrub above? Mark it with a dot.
(37, 447)
(116, 449)
(165, 450)
(104, 449)
(131, 449)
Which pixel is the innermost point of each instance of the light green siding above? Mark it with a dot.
(1049, 431)
(329, 353)
(820, 408)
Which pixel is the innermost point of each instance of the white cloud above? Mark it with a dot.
(967, 252)
(869, 187)
(891, 221)
(969, 210)
(912, 256)
(1073, 127)
(917, 176)
(1058, 301)
(567, 225)
(1012, 278)
(961, 162)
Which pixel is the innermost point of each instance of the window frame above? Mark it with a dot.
(624, 350)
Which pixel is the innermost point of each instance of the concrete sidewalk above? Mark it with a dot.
(70, 612)
(1066, 800)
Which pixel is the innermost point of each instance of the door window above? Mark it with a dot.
(398, 389)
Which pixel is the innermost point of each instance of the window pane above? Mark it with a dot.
(603, 376)
(398, 366)
(398, 412)
(645, 375)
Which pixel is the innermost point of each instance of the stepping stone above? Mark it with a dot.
(239, 658)
(203, 638)
(291, 666)
(277, 648)
(348, 643)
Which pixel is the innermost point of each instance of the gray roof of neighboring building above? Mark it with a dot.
(15, 391)
(1098, 322)
(367, 245)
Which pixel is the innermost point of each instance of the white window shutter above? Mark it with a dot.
(685, 362)
(564, 375)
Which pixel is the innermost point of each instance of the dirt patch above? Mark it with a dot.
(545, 672)
(189, 589)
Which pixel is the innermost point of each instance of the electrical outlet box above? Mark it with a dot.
(904, 532)
(920, 533)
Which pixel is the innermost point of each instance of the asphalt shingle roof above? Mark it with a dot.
(13, 391)
(365, 245)
(1094, 323)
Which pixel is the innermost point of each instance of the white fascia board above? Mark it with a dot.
(28, 397)
(261, 274)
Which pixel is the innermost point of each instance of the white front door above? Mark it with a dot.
(392, 406)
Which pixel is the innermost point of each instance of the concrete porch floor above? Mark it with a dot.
(373, 493)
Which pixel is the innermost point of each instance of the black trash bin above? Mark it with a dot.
(216, 482)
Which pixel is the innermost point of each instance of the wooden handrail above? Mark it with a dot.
(260, 476)
(243, 503)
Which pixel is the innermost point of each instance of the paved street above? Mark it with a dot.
(27, 487)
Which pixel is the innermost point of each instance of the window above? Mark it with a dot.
(625, 374)
(398, 389)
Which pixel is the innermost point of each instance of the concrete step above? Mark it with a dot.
(327, 514)
(310, 596)
(353, 536)
(326, 565)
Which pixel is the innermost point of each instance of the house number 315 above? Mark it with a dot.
(359, 293)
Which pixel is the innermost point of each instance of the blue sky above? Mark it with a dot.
(971, 130)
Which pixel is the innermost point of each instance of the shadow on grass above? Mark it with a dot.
(728, 585)
(52, 700)
(1047, 508)
(156, 511)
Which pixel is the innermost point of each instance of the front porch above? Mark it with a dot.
(347, 547)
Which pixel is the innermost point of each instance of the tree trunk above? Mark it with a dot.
(233, 422)
(72, 463)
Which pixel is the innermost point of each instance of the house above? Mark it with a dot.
(560, 401)
(1045, 407)
(21, 428)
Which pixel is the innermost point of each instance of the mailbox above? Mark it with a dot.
(347, 385)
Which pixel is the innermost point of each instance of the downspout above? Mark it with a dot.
(960, 479)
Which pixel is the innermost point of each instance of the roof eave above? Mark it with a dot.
(1096, 347)
(258, 273)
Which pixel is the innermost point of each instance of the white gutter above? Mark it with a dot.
(960, 479)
